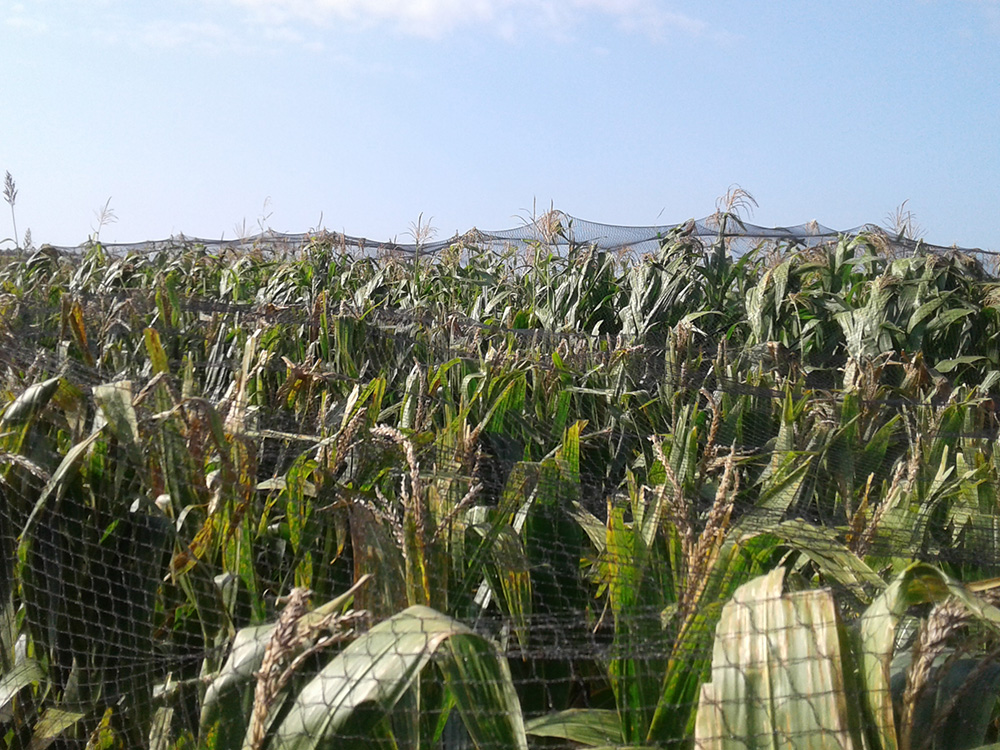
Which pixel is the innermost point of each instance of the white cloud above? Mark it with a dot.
(169, 35)
(437, 18)
(209, 24)
(204, 25)
(424, 17)
(24, 23)
(20, 20)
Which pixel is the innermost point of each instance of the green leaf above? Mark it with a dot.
(592, 526)
(157, 355)
(115, 401)
(229, 697)
(53, 723)
(59, 481)
(26, 405)
(508, 572)
(924, 311)
(779, 491)
(948, 317)
(832, 557)
(484, 692)
(363, 683)
(947, 365)
(411, 399)
(23, 674)
(589, 726)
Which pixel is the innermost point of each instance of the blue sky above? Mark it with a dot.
(196, 116)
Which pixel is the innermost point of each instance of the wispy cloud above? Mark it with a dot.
(647, 17)
(439, 18)
(20, 20)
(232, 25)
(212, 26)
(173, 34)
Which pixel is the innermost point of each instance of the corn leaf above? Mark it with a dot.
(777, 673)
(368, 678)
(593, 727)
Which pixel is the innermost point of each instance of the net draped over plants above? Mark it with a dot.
(704, 485)
(559, 231)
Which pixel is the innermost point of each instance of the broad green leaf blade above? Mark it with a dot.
(229, 698)
(593, 727)
(226, 707)
(947, 365)
(690, 659)
(508, 573)
(484, 692)
(779, 491)
(832, 557)
(59, 480)
(28, 403)
(592, 526)
(115, 400)
(877, 637)
(157, 355)
(370, 675)
(23, 674)
(53, 723)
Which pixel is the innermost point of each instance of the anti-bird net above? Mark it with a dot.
(560, 488)
(557, 231)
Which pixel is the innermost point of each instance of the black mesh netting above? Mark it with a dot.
(704, 485)
(557, 230)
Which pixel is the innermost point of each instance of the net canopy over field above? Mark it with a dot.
(558, 495)
(559, 231)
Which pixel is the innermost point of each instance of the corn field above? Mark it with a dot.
(521, 499)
